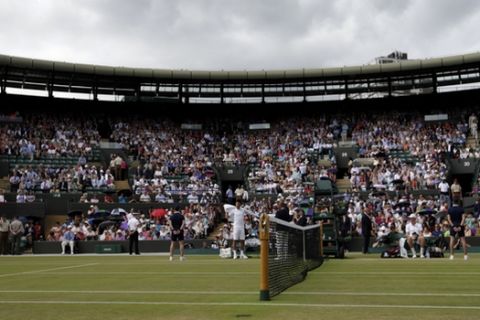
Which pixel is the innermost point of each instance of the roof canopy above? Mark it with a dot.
(421, 76)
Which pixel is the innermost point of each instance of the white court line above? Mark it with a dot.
(252, 304)
(328, 293)
(46, 270)
(401, 273)
(220, 274)
(223, 274)
(135, 292)
(216, 274)
(393, 294)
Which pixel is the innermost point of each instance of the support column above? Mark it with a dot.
(264, 247)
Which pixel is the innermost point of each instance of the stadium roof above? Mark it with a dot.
(55, 76)
(164, 74)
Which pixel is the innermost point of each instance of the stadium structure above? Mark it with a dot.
(57, 79)
(436, 86)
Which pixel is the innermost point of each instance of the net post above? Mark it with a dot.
(321, 239)
(264, 244)
(304, 247)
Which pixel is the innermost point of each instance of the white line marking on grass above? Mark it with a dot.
(216, 274)
(394, 294)
(261, 304)
(400, 273)
(225, 262)
(134, 292)
(46, 270)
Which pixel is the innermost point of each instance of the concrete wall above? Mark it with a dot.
(42, 247)
(51, 247)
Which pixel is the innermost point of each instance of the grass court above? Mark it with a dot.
(206, 287)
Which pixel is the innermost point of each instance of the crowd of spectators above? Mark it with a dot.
(392, 213)
(284, 159)
(177, 165)
(43, 137)
(199, 221)
(49, 136)
(47, 179)
(407, 153)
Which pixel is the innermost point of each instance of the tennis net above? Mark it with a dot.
(288, 252)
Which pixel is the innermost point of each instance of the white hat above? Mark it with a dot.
(412, 216)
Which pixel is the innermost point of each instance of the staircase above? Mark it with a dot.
(106, 155)
(471, 143)
(344, 185)
(5, 184)
(122, 185)
(218, 229)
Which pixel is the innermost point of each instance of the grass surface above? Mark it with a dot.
(207, 287)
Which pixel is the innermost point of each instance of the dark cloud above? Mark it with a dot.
(232, 34)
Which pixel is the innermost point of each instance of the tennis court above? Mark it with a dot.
(207, 287)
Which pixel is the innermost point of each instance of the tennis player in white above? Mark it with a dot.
(236, 214)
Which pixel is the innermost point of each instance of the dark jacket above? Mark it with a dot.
(366, 225)
(283, 214)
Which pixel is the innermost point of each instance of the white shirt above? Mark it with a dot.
(133, 224)
(145, 197)
(236, 215)
(410, 228)
(21, 198)
(443, 186)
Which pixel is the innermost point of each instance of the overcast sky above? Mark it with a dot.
(236, 34)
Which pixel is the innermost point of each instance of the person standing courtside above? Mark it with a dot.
(366, 228)
(133, 233)
(282, 232)
(4, 227)
(283, 213)
(176, 225)
(16, 233)
(456, 219)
